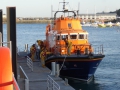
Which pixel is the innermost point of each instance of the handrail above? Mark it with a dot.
(52, 85)
(23, 73)
(96, 49)
(30, 63)
(24, 76)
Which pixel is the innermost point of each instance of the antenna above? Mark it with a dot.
(51, 14)
(95, 12)
(78, 8)
(64, 4)
(51, 11)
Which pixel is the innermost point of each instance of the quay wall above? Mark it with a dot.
(30, 21)
(49, 21)
(33, 21)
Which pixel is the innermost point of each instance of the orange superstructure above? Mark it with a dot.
(67, 27)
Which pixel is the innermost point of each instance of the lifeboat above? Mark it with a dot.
(70, 48)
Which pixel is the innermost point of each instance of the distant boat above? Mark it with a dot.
(117, 24)
(95, 24)
(85, 24)
(102, 25)
(109, 24)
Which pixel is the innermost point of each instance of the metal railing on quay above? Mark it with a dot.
(51, 84)
(24, 79)
(30, 63)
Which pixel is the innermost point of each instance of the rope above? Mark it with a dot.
(63, 63)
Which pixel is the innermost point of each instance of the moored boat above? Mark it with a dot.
(109, 24)
(102, 25)
(70, 48)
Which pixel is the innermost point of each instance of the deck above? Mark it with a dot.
(37, 77)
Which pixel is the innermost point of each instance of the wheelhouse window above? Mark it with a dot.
(69, 25)
(81, 36)
(58, 37)
(64, 36)
(86, 36)
(74, 36)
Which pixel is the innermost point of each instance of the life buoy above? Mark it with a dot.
(6, 81)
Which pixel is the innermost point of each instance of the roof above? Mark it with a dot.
(99, 14)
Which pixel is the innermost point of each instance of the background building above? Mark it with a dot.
(98, 16)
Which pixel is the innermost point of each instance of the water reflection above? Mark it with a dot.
(80, 85)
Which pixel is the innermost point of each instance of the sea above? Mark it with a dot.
(107, 75)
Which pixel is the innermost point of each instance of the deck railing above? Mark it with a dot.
(83, 49)
(30, 63)
(98, 49)
(51, 84)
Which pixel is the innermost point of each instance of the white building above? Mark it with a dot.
(98, 16)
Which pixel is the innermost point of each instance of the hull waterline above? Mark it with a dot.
(81, 68)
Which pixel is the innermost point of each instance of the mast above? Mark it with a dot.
(95, 12)
(78, 9)
(64, 9)
(64, 4)
(51, 11)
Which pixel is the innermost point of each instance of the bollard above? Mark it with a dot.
(53, 68)
(57, 70)
(26, 47)
(66, 81)
(26, 84)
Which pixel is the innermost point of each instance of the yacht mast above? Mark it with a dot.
(95, 13)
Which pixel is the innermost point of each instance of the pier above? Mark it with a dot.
(28, 78)
(38, 77)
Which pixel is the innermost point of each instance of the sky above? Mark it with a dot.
(42, 8)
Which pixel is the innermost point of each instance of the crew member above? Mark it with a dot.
(37, 51)
(68, 45)
(40, 43)
(33, 51)
(43, 56)
(41, 46)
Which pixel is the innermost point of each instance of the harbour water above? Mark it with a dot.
(107, 76)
